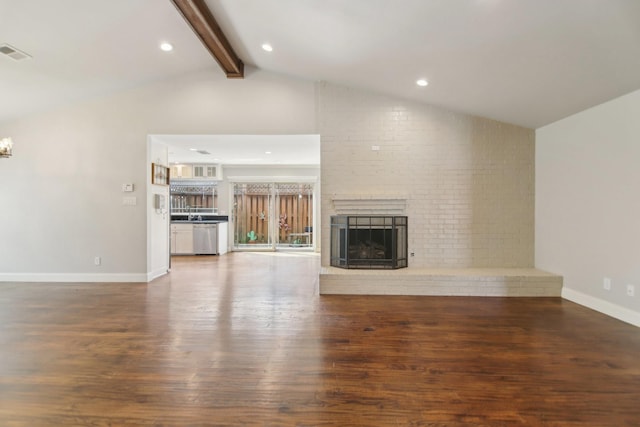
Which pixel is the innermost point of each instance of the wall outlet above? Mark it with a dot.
(606, 284)
(631, 290)
(97, 260)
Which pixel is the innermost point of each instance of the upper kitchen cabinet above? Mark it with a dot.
(197, 171)
(207, 171)
(181, 171)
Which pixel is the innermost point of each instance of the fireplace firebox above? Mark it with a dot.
(369, 242)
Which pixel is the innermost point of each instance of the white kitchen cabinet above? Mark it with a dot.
(181, 239)
(181, 171)
(183, 243)
(206, 171)
(223, 240)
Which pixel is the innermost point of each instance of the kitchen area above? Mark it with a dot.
(196, 226)
(236, 193)
(222, 193)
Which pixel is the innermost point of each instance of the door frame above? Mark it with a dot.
(232, 180)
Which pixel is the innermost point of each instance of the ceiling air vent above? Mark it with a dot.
(13, 53)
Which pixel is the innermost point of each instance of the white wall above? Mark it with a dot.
(61, 191)
(588, 204)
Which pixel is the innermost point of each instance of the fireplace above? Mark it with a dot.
(369, 242)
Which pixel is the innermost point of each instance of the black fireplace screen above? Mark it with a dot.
(362, 241)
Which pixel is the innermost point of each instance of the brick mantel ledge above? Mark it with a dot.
(371, 204)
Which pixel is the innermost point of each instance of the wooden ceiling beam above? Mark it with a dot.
(207, 29)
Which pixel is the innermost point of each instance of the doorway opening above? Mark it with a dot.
(273, 216)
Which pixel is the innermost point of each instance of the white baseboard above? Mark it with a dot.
(605, 307)
(73, 277)
(157, 273)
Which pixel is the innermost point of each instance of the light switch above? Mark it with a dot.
(127, 188)
(129, 201)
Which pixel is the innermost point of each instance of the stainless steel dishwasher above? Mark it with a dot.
(205, 239)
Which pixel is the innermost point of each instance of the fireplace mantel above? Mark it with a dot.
(373, 204)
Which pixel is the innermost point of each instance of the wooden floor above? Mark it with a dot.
(244, 339)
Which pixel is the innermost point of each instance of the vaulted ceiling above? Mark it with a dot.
(527, 62)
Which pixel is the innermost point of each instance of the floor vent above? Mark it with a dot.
(13, 53)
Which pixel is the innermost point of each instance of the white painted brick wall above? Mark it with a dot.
(469, 181)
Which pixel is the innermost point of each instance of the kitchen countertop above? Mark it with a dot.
(180, 221)
(203, 219)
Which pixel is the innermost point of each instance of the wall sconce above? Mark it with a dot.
(5, 147)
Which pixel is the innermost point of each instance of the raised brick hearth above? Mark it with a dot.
(521, 282)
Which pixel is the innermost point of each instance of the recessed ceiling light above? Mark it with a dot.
(193, 149)
(422, 82)
(267, 152)
(267, 47)
(167, 47)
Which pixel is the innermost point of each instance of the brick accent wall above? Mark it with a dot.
(468, 181)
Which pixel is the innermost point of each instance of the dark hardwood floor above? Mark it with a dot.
(244, 339)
